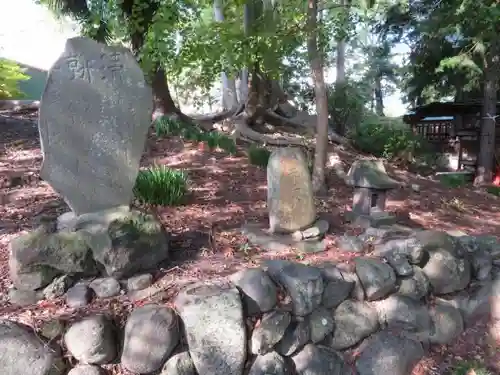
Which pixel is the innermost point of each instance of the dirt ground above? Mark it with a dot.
(226, 192)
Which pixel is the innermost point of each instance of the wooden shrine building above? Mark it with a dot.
(452, 127)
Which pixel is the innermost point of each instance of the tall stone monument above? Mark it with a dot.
(290, 197)
(94, 117)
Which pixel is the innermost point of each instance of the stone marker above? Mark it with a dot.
(290, 196)
(94, 116)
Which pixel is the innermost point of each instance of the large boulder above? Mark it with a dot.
(385, 354)
(446, 272)
(131, 243)
(22, 352)
(290, 196)
(39, 256)
(151, 334)
(212, 313)
(91, 340)
(304, 284)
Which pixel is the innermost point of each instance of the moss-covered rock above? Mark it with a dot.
(36, 258)
(129, 245)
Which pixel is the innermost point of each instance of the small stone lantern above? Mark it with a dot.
(371, 184)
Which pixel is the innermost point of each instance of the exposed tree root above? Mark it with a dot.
(245, 132)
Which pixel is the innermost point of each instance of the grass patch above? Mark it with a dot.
(453, 180)
(166, 126)
(160, 185)
(495, 190)
(258, 156)
(470, 367)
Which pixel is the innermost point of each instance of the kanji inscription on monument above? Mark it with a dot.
(94, 116)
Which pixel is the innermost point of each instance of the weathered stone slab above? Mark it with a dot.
(94, 117)
(290, 196)
(212, 313)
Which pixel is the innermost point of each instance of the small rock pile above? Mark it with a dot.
(290, 318)
(92, 254)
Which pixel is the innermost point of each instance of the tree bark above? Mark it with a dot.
(315, 59)
(379, 98)
(229, 96)
(162, 96)
(485, 163)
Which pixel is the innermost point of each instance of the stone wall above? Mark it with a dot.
(289, 318)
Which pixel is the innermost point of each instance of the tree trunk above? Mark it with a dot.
(484, 173)
(379, 98)
(163, 99)
(229, 96)
(318, 175)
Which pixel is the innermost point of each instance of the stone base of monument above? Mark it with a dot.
(310, 240)
(109, 245)
(374, 219)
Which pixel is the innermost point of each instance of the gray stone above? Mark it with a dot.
(24, 297)
(486, 243)
(86, 370)
(57, 287)
(270, 363)
(259, 291)
(270, 331)
(179, 364)
(367, 173)
(139, 282)
(400, 264)
(22, 352)
(380, 235)
(91, 340)
(317, 230)
(404, 313)
(378, 279)
(447, 323)
(212, 313)
(336, 291)
(386, 354)
(303, 283)
(409, 247)
(353, 322)
(296, 336)
(431, 239)
(290, 199)
(446, 273)
(151, 334)
(130, 244)
(94, 117)
(415, 286)
(36, 258)
(105, 287)
(320, 360)
(78, 295)
(349, 275)
(320, 324)
(482, 264)
(350, 244)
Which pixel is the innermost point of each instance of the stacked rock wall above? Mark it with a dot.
(291, 318)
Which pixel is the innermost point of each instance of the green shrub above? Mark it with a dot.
(160, 185)
(495, 190)
(167, 126)
(389, 140)
(258, 155)
(227, 144)
(10, 75)
(453, 180)
(465, 367)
